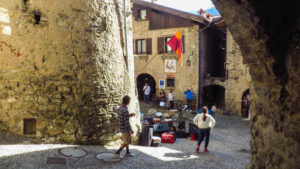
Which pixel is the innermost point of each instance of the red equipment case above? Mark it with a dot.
(167, 138)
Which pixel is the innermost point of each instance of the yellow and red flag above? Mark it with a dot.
(176, 44)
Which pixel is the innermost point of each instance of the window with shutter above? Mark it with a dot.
(140, 46)
(168, 49)
(160, 45)
(149, 46)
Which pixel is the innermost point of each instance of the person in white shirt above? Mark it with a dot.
(205, 123)
(147, 91)
(171, 99)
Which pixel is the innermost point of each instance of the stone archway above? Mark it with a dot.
(141, 80)
(214, 94)
(267, 33)
(245, 105)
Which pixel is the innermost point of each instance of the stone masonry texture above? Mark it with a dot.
(238, 76)
(269, 42)
(63, 64)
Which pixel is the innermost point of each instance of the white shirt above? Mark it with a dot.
(208, 123)
(214, 108)
(147, 90)
(171, 97)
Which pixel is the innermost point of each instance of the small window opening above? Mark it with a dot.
(170, 82)
(37, 17)
(142, 14)
(29, 126)
(25, 2)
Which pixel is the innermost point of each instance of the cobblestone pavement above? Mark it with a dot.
(229, 148)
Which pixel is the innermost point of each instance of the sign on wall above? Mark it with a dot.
(170, 66)
(161, 84)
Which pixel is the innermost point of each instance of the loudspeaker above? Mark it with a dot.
(160, 128)
(146, 136)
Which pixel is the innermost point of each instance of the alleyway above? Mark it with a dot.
(229, 148)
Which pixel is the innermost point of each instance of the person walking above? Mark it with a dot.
(205, 123)
(125, 127)
(189, 95)
(171, 99)
(147, 90)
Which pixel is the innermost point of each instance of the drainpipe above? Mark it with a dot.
(199, 68)
(125, 34)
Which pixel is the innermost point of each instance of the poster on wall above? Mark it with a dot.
(161, 84)
(170, 66)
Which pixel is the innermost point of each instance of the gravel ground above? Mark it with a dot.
(229, 148)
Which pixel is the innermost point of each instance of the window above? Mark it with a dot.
(143, 46)
(140, 46)
(170, 82)
(142, 14)
(163, 47)
(167, 47)
(29, 126)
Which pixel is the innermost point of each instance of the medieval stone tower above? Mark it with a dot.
(64, 68)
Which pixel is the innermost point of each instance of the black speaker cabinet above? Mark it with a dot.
(146, 136)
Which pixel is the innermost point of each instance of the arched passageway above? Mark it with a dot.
(245, 104)
(213, 94)
(141, 80)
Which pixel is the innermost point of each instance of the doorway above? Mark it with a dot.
(141, 80)
(245, 104)
(214, 94)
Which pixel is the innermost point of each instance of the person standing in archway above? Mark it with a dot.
(189, 95)
(205, 123)
(147, 90)
(125, 127)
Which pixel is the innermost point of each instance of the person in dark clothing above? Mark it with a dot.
(162, 95)
(125, 127)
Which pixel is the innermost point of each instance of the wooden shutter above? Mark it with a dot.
(149, 46)
(134, 46)
(160, 45)
(182, 39)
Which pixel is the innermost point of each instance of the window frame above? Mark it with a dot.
(170, 78)
(145, 47)
(140, 15)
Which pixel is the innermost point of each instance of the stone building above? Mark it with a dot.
(59, 57)
(153, 25)
(64, 69)
(237, 82)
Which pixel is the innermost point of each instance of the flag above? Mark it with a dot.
(176, 44)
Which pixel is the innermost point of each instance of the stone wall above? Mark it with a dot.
(63, 64)
(238, 77)
(268, 35)
(154, 64)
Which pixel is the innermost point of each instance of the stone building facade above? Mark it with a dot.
(238, 78)
(154, 24)
(63, 69)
